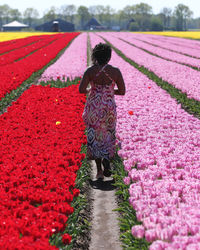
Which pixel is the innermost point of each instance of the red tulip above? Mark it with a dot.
(66, 239)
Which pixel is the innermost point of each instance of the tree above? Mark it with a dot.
(127, 14)
(134, 26)
(143, 9)
(68, 12)
(15, 14)
(156, 24)
(182, 14)
(51, 14)
(84, 15)
(166, 14)
(108, 12)
(4, 14)
(129, 11)
(143, 14)
(120, 19)
(98, 11)
(30, 14)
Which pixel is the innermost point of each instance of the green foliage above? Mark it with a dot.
(134, 26)
(156, 24)
(182, 14)
(61, 84)
(89, 49)
(84, 15)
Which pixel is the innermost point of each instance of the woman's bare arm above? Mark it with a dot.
(84, 83)
(120, 85)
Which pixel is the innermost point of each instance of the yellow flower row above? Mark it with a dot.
(184, 34)
(6, 36)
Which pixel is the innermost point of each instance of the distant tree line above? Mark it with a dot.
(138, 17)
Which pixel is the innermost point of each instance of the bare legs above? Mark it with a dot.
(107, 171)
(106, 164)
(99, 169)
(98, 163)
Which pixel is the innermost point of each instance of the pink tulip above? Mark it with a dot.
(138, 231)
(127, 180)
(159, 245)
(150, 235)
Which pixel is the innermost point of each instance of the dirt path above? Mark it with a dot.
(105, 229)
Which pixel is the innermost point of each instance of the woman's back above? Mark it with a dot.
(100, 102)
(100, 109)
(102, 75)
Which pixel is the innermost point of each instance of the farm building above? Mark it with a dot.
(57, 25)
(93, 24)
(14, 26)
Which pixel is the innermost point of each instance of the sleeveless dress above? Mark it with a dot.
(99, 117)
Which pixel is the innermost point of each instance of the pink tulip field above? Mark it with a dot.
(71, 64)
(161, 52)
(182, 77)
(183, 46)
(158, 132)
(164, 141)
(173, 40)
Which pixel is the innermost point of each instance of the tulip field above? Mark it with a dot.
(7, 36)
(43, 135)
(181, 34)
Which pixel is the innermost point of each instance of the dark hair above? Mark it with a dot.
(101, 54)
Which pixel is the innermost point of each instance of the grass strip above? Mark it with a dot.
(127, 213)
(78, 224)
(61, 84)
(7, 100)
(89, 50)
(191, 106)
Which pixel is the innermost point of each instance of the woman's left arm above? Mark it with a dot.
(84, 83)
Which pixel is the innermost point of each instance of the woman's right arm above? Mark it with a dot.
(84, 83)
(121, 89)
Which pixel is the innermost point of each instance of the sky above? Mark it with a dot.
(157, 5)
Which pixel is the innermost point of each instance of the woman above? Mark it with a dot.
(100, 110)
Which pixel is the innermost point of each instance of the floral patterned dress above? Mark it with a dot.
(100, 118)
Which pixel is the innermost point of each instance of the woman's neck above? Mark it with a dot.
(101, 65)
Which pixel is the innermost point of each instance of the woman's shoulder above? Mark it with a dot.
(111, 67)
(113, 71)
(90, 69)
